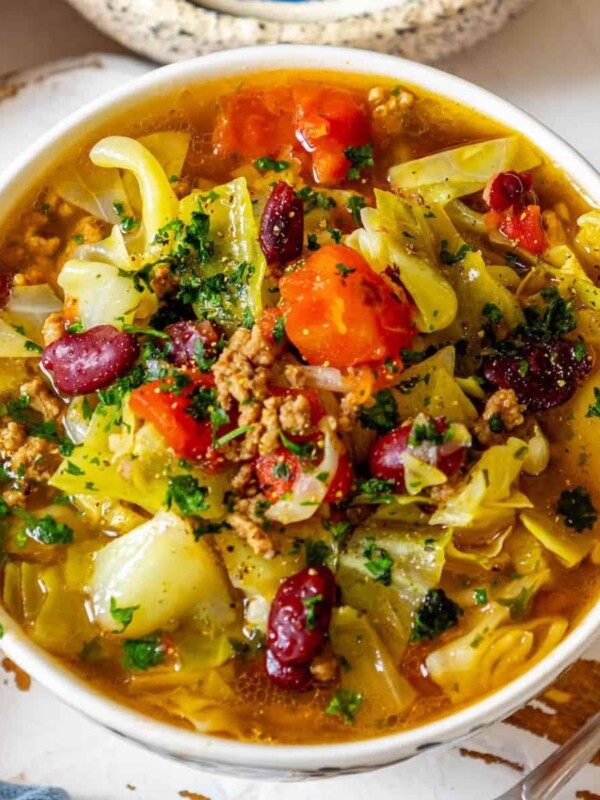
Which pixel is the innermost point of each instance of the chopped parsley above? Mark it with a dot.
(492, 313)
(495, 423)
(313, 199)
(230, 435)
(335, 234)
(127, 222)
(428, 432)
(345, 703)
(481, 596)
(140, 655)
(552, 322)
(378, 562)
(355, 206)
(187, 494)
(122, 616)
(436, 614)
(377, 489)
(575, 505)
(344, 270)
(317, 552)
(282, 470)
(33, 347)
(413, 356)
(310, 604)
(45, 530)
(73, 469)
(382, 415)
(453, 258)
(78, 238)
(279, 331)
(1, 630)
(360, 158)
(301, 449)
(267, 164)
(312, 242)
(594, 408)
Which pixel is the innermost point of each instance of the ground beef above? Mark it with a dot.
(36, 460)
(388, 109)
(162, 280)
(506, 406)
(244, 367)
(325, 665)
(258, 539)
(53, 328)
(12, 437)
(42, 398)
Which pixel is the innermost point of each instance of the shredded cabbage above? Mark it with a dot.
(159, 202)
(28, 307)
(387, 693)
(236, 252)
(98, 191)
(488, 497)
(442, 177)
(162, 570)
(112, 250)
(417, 560)
(104, 296)
(14, 344)
(569, 547)
(124, 463)
(431, 385)
(311, 486)
(396, 233)
(170, 149)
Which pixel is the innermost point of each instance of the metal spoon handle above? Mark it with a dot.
(547, 779)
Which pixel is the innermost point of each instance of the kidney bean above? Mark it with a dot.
(385, 458)
(508, 189)
(282, 225)
(300, 615)
(186, 337)
(543, 375)
(6, 284)
(84, 362)
(294, 677)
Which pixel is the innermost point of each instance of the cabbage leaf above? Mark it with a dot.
(387, 569)
(165, 574)
(396, 234)
(444, 176)
(487, 496)
(120, 462)
(236, 255)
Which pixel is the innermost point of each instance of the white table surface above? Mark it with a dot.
(548, 62)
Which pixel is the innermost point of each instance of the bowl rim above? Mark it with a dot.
(211, 751)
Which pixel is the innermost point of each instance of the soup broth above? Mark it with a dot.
(299, 406)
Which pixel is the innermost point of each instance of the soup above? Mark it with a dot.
(298, 408)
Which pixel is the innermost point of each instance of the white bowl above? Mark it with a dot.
(259, 760)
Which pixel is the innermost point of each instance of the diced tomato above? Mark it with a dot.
(329, 121)
(168, 412)
(524, 227)
(341, 484)
(310, 118)
(255, 123)
(312, 395)
(278, 472)
(340, 313)
(267, 322)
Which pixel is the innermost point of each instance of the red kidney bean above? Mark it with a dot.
(6, 284)
(84, 362)
(282, 225)
(300, 615)
(507, 189)
(294, 677)
(543, 375)
(385, 458)
(186, 336)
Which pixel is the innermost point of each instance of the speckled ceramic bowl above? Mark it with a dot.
(243, 758)
(423, 30)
